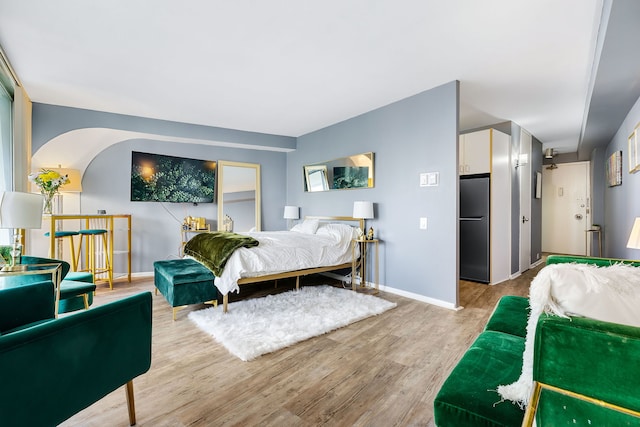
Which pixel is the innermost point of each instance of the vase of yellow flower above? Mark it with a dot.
(49, 182)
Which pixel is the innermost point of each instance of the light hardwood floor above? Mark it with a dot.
(382, 371)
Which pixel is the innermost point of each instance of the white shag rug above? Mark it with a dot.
(258, 326)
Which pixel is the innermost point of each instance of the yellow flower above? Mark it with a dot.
(49, 176)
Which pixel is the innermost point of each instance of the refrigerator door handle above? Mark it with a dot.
(474, 218)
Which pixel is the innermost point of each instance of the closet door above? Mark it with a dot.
(524, 172)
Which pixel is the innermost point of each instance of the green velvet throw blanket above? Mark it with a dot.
(214, 249)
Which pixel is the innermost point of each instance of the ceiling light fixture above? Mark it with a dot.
(548, 154)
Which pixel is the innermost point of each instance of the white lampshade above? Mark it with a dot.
(291, 212)
(20, 210)
(362, 209)
(634, 237)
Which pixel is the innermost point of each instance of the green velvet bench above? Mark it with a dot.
(469, 397)
(183, 282)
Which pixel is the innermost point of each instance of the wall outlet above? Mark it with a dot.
(423, 223)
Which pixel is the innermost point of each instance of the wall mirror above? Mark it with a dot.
(238, 196)
(340, 174)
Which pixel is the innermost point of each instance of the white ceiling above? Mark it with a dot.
(290, 67)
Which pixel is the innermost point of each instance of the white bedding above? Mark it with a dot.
(281, 251)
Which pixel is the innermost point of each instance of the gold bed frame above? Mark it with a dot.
(298, 273)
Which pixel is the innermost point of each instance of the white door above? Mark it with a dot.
(565, 208)
(524, 170)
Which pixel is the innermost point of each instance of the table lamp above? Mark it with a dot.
(363, 210)
(291, 213)
(19, 211)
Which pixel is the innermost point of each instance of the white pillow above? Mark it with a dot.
(340, 232)
(308, 226)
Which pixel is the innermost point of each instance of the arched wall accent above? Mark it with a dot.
(77, 148)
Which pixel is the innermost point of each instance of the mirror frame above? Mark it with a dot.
(221, 166)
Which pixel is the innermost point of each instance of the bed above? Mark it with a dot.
(318, 244)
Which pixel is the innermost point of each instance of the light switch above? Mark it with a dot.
(429, 179)
(423, 223)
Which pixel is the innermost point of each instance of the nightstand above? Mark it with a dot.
(363, 245)
(185, 232)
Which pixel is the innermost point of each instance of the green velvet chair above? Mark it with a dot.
(74, 294)
(50, 369)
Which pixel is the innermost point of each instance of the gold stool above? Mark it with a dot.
(90, 254)
(62, 235)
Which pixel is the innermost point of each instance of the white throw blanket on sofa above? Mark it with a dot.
(610, 294)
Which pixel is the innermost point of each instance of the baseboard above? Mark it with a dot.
(402, 293)
(537, 263)
(142, 274)
(421, 298)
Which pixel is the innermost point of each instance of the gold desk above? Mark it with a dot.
(54, 218)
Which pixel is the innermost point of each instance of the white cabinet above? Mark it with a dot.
(475, 152)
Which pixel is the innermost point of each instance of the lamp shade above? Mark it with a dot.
(634, 237)
(20, 210)
(362, 209)
(291, 212)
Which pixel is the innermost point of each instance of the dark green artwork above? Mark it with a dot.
(160, 178)
(350, 177)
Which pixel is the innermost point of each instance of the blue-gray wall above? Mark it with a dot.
(156, 226)
(621, 203)
(414, 135)
(536, 204)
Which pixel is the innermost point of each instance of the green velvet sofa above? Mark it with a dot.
(50, 369)
(578, 362)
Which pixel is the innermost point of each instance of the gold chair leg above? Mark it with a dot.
(107, 261)
(73, 254)
(92, 256)
(85, 298)
(131, 406)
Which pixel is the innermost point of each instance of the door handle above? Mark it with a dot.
(524, 219)
(578, 216)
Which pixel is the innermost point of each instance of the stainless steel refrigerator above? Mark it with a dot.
(474, 228)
